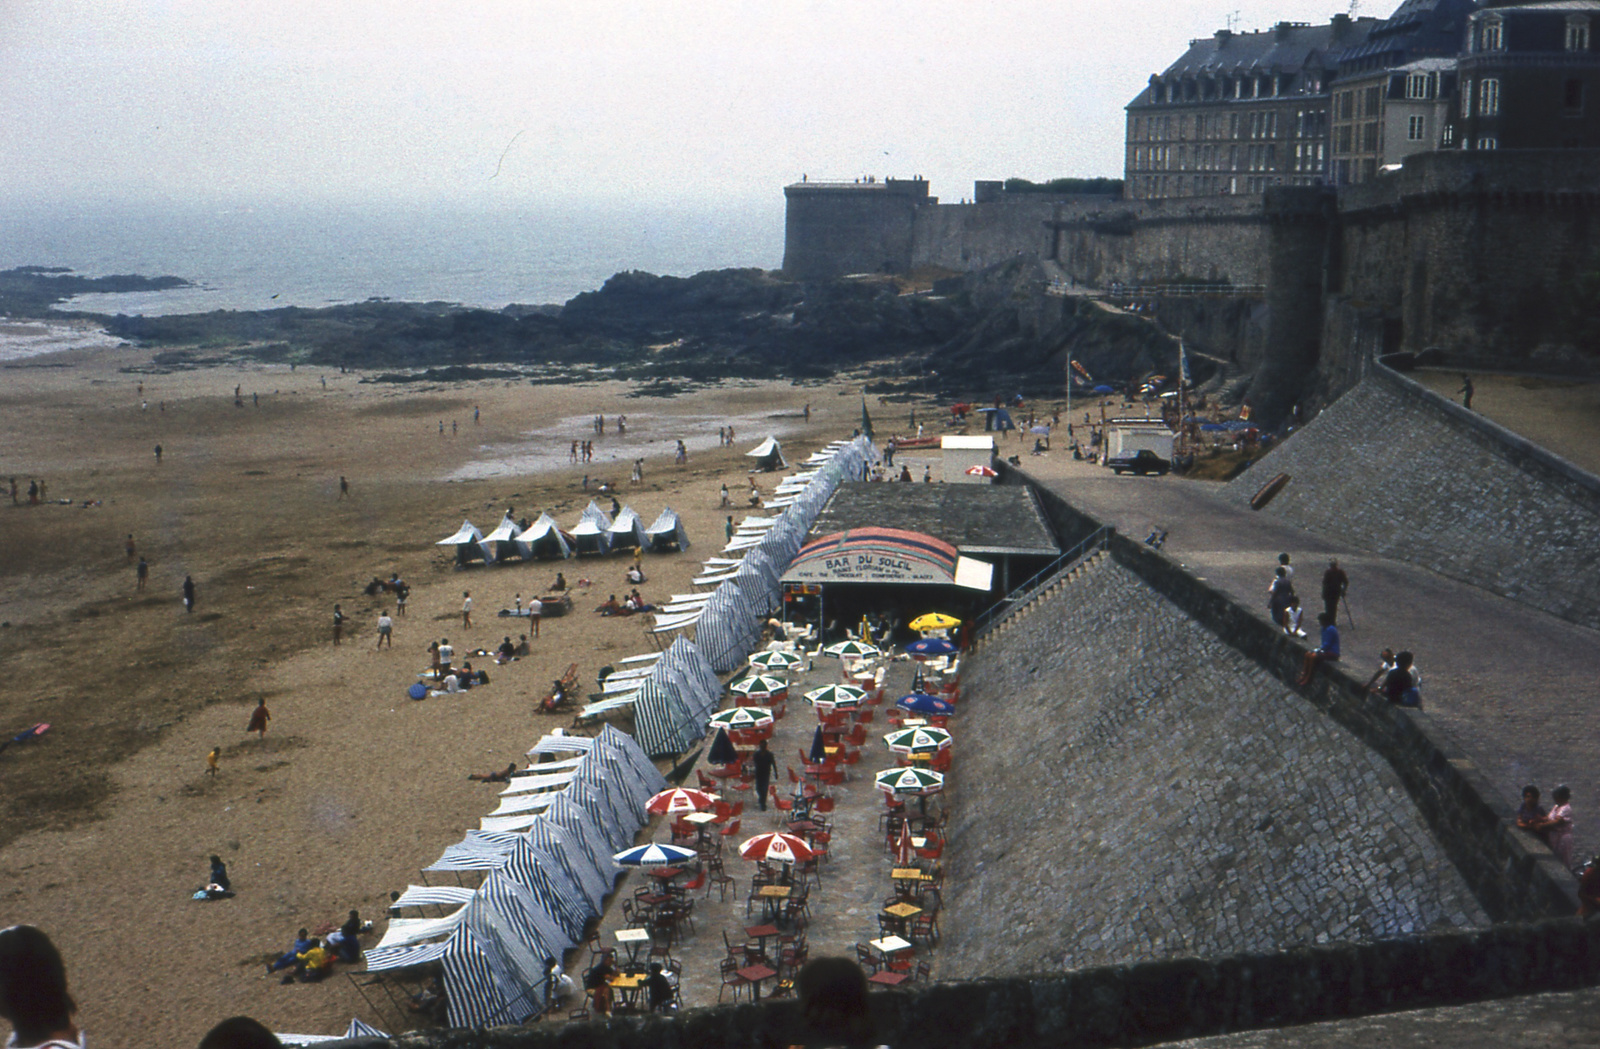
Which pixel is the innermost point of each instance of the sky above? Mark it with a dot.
(532, 101)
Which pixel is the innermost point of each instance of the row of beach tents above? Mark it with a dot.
(545, 856)
(544, 540)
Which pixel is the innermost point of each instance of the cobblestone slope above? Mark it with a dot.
(1130, 788)
(1392, 469)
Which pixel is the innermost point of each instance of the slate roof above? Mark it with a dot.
(976, 519)
(1417, 28)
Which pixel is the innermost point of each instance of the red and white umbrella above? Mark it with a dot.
(679, 801)
(776, 846)
(903, 850)
(982, 471)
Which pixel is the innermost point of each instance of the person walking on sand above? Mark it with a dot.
(128, 546)
(724, 494)
(259, 718)
(1466, 391)
(14, 500)
(385, 630)
(211, 761)
(401, 592)
(344, 487)
(338, 624)
(188, 593)
(466, 608)
(475, 415)
(141, 574)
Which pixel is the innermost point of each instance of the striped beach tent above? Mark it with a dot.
(627, 531)
(556, 843)
(559, 743)
(383, 959)
(480, 990)
(544, 539)
(661, 721)
(587, 842)
(550, 883)
(433, 896)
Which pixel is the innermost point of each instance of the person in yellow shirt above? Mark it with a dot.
(313, 963)
(211, 761)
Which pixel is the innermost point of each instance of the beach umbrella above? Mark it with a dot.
(934, 621)
(831, 696)
(922, 703)
(680, 800)
(918, 740)
(741, 718)
(775, 660)
(982, 471)
(929, 647)
(909, 781)
(654, 854)
(776, 846)
(759, 685)
(819, 746)
(722, 752)
(853, 650)
(1103, 388)
(417, 691)
(903, 850)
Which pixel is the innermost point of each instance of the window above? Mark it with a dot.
(1342, 105)
(1466, 98)
(1419, 85)
(1449, 136)
(1370, 103)
(1489, 97)
(1577, 33)
(1572, 98)
(1488, 143)
(1341, 139)
(1416, 128)
(1493, 36)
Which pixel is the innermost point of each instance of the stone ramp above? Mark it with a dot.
(1396, 469)
(1132, 789)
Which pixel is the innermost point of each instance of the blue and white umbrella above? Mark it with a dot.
(923, 703)
(928, 647)
(654, 854)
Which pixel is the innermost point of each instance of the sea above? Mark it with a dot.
(264, 255)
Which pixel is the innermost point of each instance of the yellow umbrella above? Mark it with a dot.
(934, 621)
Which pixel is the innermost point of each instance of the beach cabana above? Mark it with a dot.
(501, 544)
(468, 544)
(627, 531)
(667, 534)
(545, 540)
(591, 534)
(768, 455)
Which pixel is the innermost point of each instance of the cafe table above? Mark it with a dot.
(627, 986)
(761, 933)
(633, 939)
(888, 978)
(701, 821)
(754, 974)
(889, 946)
(772, 897)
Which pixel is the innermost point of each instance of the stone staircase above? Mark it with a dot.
(1026, 606)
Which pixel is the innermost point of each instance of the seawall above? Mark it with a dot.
(1406, 473)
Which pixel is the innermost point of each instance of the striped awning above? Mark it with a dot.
(433, 896)
(875, 555)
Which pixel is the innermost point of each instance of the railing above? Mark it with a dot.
(1021, 595)
(1154, 291)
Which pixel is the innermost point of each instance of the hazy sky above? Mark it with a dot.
(496, 102)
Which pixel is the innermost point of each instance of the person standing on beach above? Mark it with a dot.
(385, 630)
(141, 574)
(259, 718)
(158, 454)
(338, 624)
(128, 546)
(211, 761)
(728, 528)
(188, 593)
(466, 608)
(441, 422)
(535, 612)
(453, 430)
(401, 592)
(344, 487)
(14, 501)
(1334, 586)
(724, 494)
(1466, 391)
(808, 411)
(475, 415)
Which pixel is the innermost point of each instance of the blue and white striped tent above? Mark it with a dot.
(473, 980)
(433, 896)
(557, 843)
(661, 721)
(586, 840)
(384, 959)
(687, 656)
(551, 884)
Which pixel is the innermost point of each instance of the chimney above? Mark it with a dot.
(1281, 31)
(1223, 36)
(1341, 26)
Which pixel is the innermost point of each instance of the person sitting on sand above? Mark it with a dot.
(640, 604)
(494, 777)
(313, 964)
(630, 604)
(302, 942)
(560, 585)
(635, 573)
(452, 683)
(506, 652)
(346, 940)
(522, 645)
(610, 608)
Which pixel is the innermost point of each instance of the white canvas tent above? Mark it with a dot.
(628, 531)
(544, 539)
(768, 455)
(667, 534)
(468, 542)
(502, 542)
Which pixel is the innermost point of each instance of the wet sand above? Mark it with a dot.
(105, 825)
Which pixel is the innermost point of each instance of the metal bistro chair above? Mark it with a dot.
(867, 960)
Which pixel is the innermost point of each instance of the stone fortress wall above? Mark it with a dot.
(1403, 472)
(1166, 797)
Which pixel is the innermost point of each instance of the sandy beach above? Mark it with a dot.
(106, 824)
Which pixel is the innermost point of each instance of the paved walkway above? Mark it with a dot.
(1517, 690)
(854, 879)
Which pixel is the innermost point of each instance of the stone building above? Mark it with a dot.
(1239, 112)
(1529, 77)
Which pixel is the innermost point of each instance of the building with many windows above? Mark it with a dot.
(1529, 77)
(1239, 112)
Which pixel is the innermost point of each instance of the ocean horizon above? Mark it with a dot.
(257, 256)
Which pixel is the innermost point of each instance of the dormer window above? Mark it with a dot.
(1492, 35)
(1577, 33)
(1420, 85)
